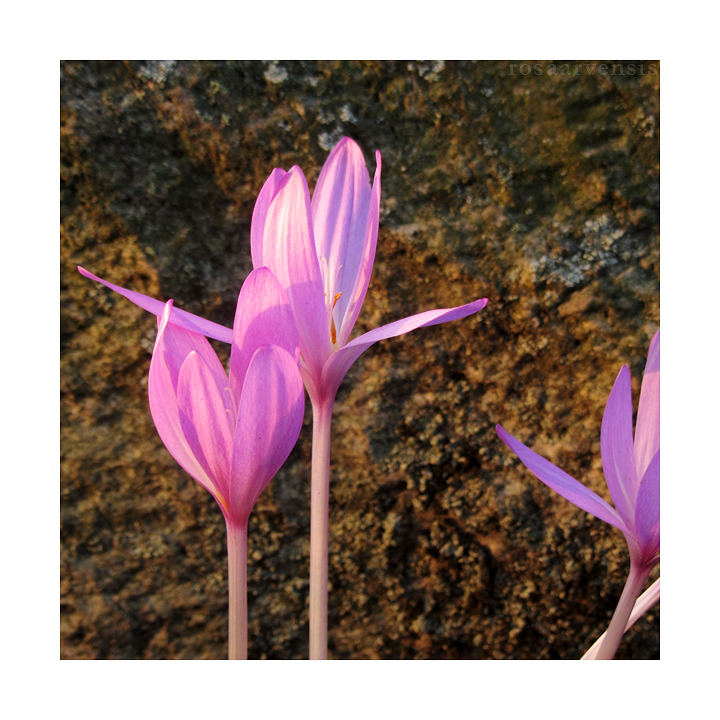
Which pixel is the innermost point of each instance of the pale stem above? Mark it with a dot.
(237, 590)
(319, 504)
(616, 629)
(649, 598)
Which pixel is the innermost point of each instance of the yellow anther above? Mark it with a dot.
(333, 335)
(336, 299)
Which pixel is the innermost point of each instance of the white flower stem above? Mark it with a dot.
(649, 598)
(616, 629)
(319, 519)
(237, 591)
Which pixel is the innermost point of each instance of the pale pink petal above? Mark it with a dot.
(166, 415)
(562, 483)
(204, 421)
(348, 313)
(649, 598)
(288, 250)
(269, 422)
(340, 207)
(647, 510)
(257, 228)
(178, 344)
(263, 317)
(647, 428)
(179, 317)
(340, 361)
(616, 447)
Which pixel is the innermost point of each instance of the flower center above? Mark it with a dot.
(330, 279)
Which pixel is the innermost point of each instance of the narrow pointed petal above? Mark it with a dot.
(257, 228)
(288, 250)
(616, 447)
(182, 318)
(203, 420)
(647, 510)
(647, 430)
(340, 361)
(269, 422)
(166, 415)
(561, 482)
(263, 317)
(348, 312)
(340, 206)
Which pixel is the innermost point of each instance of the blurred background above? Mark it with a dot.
(534, 184)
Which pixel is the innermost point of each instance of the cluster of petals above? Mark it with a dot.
(231, 433)
(322, 253)
(631, 467)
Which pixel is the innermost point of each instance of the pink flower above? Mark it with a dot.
(632, 469)
(232, 434)
(322, 252)
(632, 473)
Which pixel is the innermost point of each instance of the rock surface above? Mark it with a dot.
(540, 192)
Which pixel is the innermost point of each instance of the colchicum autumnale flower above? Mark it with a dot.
(232, 434)
(322, 252)
(632, 473)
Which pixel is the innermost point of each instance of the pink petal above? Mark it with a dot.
(178, 344)
(647, 510)
(340, 361)
(350, 311)
(616, 447)
(340, 207)
(288, 250)
(561, 482)
(257, 228)
(165, 412)
(204, 421)
(647, 430)
(269, 422)
(263, 317)
(179, 317)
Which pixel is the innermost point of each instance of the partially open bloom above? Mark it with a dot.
(632, 470)
(632, 473)
(322, 252)
(233, 433)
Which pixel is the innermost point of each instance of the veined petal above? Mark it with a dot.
(351, 309)
(269, 422)
(562, 483)
(263, 317)
(178, 344)
(616, 447)
(647, 509)
(340, 361)
(288, 250)
(166, 415)
(340, 206)
(647, 427)
(203, 418)
(257, 228)
(182, 318)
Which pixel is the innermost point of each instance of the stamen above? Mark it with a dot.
(333, 334)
